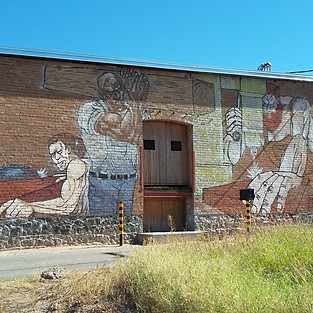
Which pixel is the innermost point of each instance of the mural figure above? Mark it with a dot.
(233, 143)
(283, 116)
(66, 153)
(109, 129)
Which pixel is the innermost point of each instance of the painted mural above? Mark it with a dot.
(275, 166)
(284, 116)
(96, 170)
(109, 129)
(247, 132)
(64, 193)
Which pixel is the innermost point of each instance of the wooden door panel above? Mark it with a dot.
(163, 166)
(157, 212)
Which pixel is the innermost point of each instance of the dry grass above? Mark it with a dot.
(271, 271)
(77, 292)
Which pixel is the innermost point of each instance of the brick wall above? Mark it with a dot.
(237, 138)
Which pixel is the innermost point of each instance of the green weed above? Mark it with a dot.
(271, 271)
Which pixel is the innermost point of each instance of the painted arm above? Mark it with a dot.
(63, 205)
(233, 145)
(120, 122)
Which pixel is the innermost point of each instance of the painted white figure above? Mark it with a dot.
(109, 129)
(283, 116)
(107, 153)
(296, 121)
(65, 152)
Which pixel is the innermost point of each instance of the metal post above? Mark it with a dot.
(248, 215)
(121, 225)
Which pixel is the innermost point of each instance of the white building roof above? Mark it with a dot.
(152, 64)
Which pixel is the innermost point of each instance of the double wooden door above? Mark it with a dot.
(166, 167)
(166, 156)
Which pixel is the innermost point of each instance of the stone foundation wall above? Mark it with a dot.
(221, 225)
(217, 225)
(56, 231)
(21, 233)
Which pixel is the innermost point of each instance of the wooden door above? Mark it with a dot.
(158, 211)
(166, 158)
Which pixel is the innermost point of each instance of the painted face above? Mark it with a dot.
(269, 104)
(110, 86)
(272, 112)
(60, 155)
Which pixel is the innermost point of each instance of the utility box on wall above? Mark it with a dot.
(247, 194)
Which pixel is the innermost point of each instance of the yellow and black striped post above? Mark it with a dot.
(248, 215)
(121, 220)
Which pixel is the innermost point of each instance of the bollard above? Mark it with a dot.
(248, 215)
(247, 195)
(121, 225)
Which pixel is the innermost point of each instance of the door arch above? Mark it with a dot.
(167, 174)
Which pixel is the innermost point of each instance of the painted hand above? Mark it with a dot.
(233, 148)
(269, 186)
(60, 176)
(234, 123)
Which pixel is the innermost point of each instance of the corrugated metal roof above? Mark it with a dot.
(152, 64)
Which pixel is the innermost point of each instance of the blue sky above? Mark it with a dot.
(224, 34)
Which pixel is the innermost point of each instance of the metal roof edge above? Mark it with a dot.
(152, 64)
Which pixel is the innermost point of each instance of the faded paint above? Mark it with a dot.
(246, 132)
